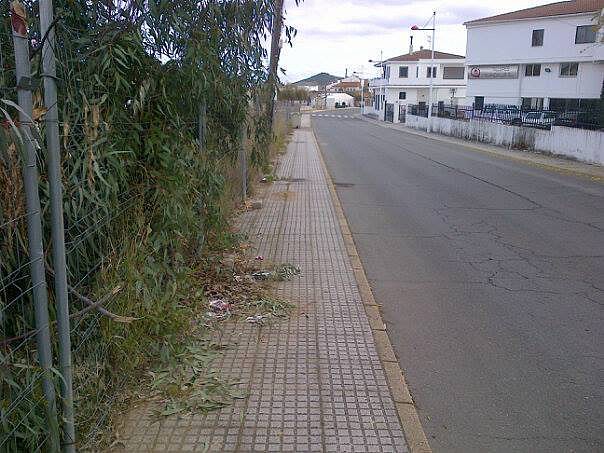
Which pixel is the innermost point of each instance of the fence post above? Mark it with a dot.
(53, 155)
(243, 160)
(34, 220)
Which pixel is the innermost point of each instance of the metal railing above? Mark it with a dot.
(512, 115)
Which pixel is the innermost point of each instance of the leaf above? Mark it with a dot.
(172, 409)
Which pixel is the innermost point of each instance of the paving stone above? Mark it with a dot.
(315, 380)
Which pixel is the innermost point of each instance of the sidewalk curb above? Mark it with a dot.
(407, 412)
(501, 152)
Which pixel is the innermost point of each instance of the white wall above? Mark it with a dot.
(587, 84)
(421, 78)
(334, 98)
(512, 41)
(415, 95)
(580, 144)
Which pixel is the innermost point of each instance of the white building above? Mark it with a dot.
(335, 100)
(347, 84)
(406, 80)
(542, 57)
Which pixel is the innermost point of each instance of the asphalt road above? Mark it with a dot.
(490, 274)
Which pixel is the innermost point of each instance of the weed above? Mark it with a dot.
(185, 381)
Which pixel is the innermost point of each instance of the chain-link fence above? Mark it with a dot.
(111, 178)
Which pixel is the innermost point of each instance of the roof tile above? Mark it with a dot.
(551, 9)
(425, 54)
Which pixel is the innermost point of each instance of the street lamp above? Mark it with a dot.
(362, 91)
(431, 71)
(383, 88)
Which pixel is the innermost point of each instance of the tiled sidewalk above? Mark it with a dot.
(315, 382)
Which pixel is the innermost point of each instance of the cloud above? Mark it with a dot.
(337, 34)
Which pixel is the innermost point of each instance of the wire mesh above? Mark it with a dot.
(22, 404)
(140, 194)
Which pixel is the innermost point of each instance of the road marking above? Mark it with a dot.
(349, 117)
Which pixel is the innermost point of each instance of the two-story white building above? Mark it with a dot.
(549, 56)
(406, 80)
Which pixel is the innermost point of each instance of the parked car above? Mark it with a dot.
(543, 120)
(500, 113)
(583, 119)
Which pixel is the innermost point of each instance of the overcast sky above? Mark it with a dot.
(337, 34)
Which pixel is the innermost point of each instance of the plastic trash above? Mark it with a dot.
(262, 275)
(257, 319)
(219, 305)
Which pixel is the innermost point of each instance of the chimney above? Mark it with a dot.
(421, 47)
(346, 75)
(411, 44)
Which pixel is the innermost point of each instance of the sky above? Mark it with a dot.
(335, 35)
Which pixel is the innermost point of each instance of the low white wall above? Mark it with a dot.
(584, 145)
(580, 144)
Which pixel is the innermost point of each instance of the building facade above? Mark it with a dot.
(548, 57)
(406, 80)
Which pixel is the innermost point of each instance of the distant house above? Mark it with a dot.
(346, 85)
(549, 56)
(318, 82)
(406, 80)
(338, 100)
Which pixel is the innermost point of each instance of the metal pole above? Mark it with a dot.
(431, 74)
(34, 221)
(243, 162)
(362, 96)
(57, 226)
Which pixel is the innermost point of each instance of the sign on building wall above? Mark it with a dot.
(494, 72)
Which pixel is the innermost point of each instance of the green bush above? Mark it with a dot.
(140, 197)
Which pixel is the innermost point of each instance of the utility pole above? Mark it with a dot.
(432, 73)
(274, 60)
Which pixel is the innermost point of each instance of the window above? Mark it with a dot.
(569, 69)
(532, 103)
(453, 72)
(585, 34)
(431, 73)
(386, 72)
(479, 102)
(537, 40)
(532, 70)
(403, 72)
(402, 95)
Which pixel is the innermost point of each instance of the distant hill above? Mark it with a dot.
(320, 79)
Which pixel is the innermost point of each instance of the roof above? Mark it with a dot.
(320, 79)
(551, 9)
(424, 54)
(347, 85)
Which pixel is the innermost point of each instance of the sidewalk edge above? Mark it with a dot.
(407, 412)
(500, 152)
